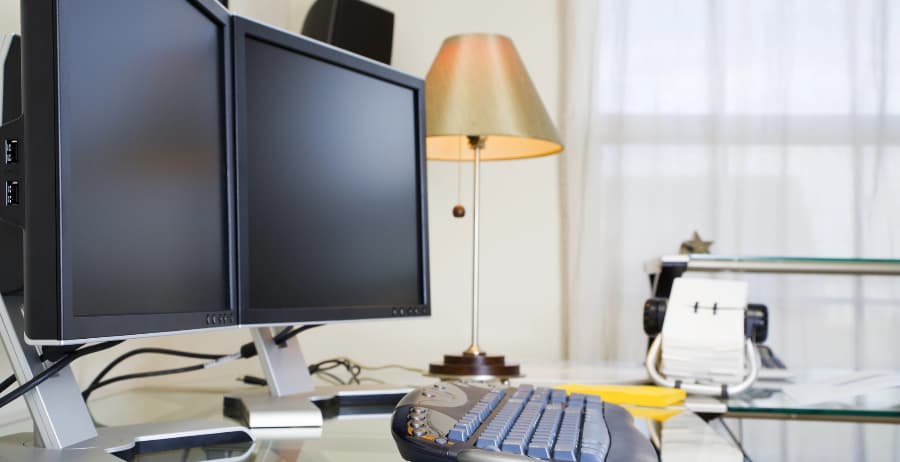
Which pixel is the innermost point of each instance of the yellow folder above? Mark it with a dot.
(638, 395)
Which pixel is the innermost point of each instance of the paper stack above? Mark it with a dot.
(703, 333)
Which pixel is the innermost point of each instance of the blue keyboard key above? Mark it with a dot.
(558, 396)
(564, 452)
(456, 434)
(513, 447)
(539, 450)
(595, 434)
(485, 442)
(569, 429)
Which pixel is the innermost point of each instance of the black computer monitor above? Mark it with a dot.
(180, 169)
(185, 169)
(10, 114)
(127, 184)
(331, 182)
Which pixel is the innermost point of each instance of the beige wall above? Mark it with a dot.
(520, 215)
(9, 16)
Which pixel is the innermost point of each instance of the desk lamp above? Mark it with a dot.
(478, 94)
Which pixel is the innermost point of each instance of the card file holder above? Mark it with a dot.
(708, 353)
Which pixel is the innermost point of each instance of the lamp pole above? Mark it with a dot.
(476, 143)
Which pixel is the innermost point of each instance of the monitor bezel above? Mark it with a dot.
(245, 28)
(50, 319)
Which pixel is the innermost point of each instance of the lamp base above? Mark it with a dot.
(469, 366)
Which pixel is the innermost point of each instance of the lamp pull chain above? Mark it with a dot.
(458, 210)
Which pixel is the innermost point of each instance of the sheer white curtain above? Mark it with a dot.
(769, 126)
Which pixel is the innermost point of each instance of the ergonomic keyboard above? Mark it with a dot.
(474, 423)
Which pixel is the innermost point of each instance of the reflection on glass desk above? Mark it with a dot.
(799, 441)
(766, 400)
(680, 436)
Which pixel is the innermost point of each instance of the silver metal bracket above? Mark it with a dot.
(288, 402)
(60, 416)
(64, 430)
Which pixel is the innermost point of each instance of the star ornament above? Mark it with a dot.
(695, 245)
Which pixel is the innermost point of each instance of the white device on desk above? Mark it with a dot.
(702, 347)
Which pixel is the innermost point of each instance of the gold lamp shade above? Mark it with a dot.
(478, 87)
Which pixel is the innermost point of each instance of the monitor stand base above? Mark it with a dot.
(285, 402)
(64, 429)
(114, 444)
(259, 409)
(289, 399)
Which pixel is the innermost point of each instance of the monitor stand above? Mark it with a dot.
(64, 430)
(290, 400)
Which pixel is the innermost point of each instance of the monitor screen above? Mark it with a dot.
(128, 156)
(145, 191)
(331, 173)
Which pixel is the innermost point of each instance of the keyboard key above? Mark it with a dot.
(515, 447)
(486, 443)
(595, 434)
(456, 434)
(564, 452)
(558, 396)
(539, 450)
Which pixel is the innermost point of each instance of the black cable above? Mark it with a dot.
(142, 375)
(248, 350)
(335, 379)
(163, 351)
(735, 441)
(287, 334)
(253, 380)
(7, 382)
(283, 331)
(323, 366)
(53, 370)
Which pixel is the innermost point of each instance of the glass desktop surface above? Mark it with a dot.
(733, 258)
(766, 400)
(343, 438)
(352, 437)
(800, 440)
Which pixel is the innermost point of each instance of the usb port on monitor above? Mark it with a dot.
(12, 193)
(11, 151)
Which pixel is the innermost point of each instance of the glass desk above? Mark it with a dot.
(766, 400)
(765, 422)
(681, 436)
(801, 440)
(771, 426)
